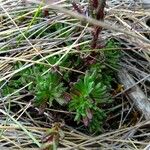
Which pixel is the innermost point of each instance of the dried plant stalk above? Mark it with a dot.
(136, 94)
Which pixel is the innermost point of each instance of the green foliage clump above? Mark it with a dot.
(86, 95)
(112, 53)
(87, 92)
(49, 88)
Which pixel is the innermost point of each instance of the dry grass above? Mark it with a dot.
(24, 130)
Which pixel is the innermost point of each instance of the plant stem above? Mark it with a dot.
(97, 11)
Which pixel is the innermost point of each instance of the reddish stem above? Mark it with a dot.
(99, 16)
